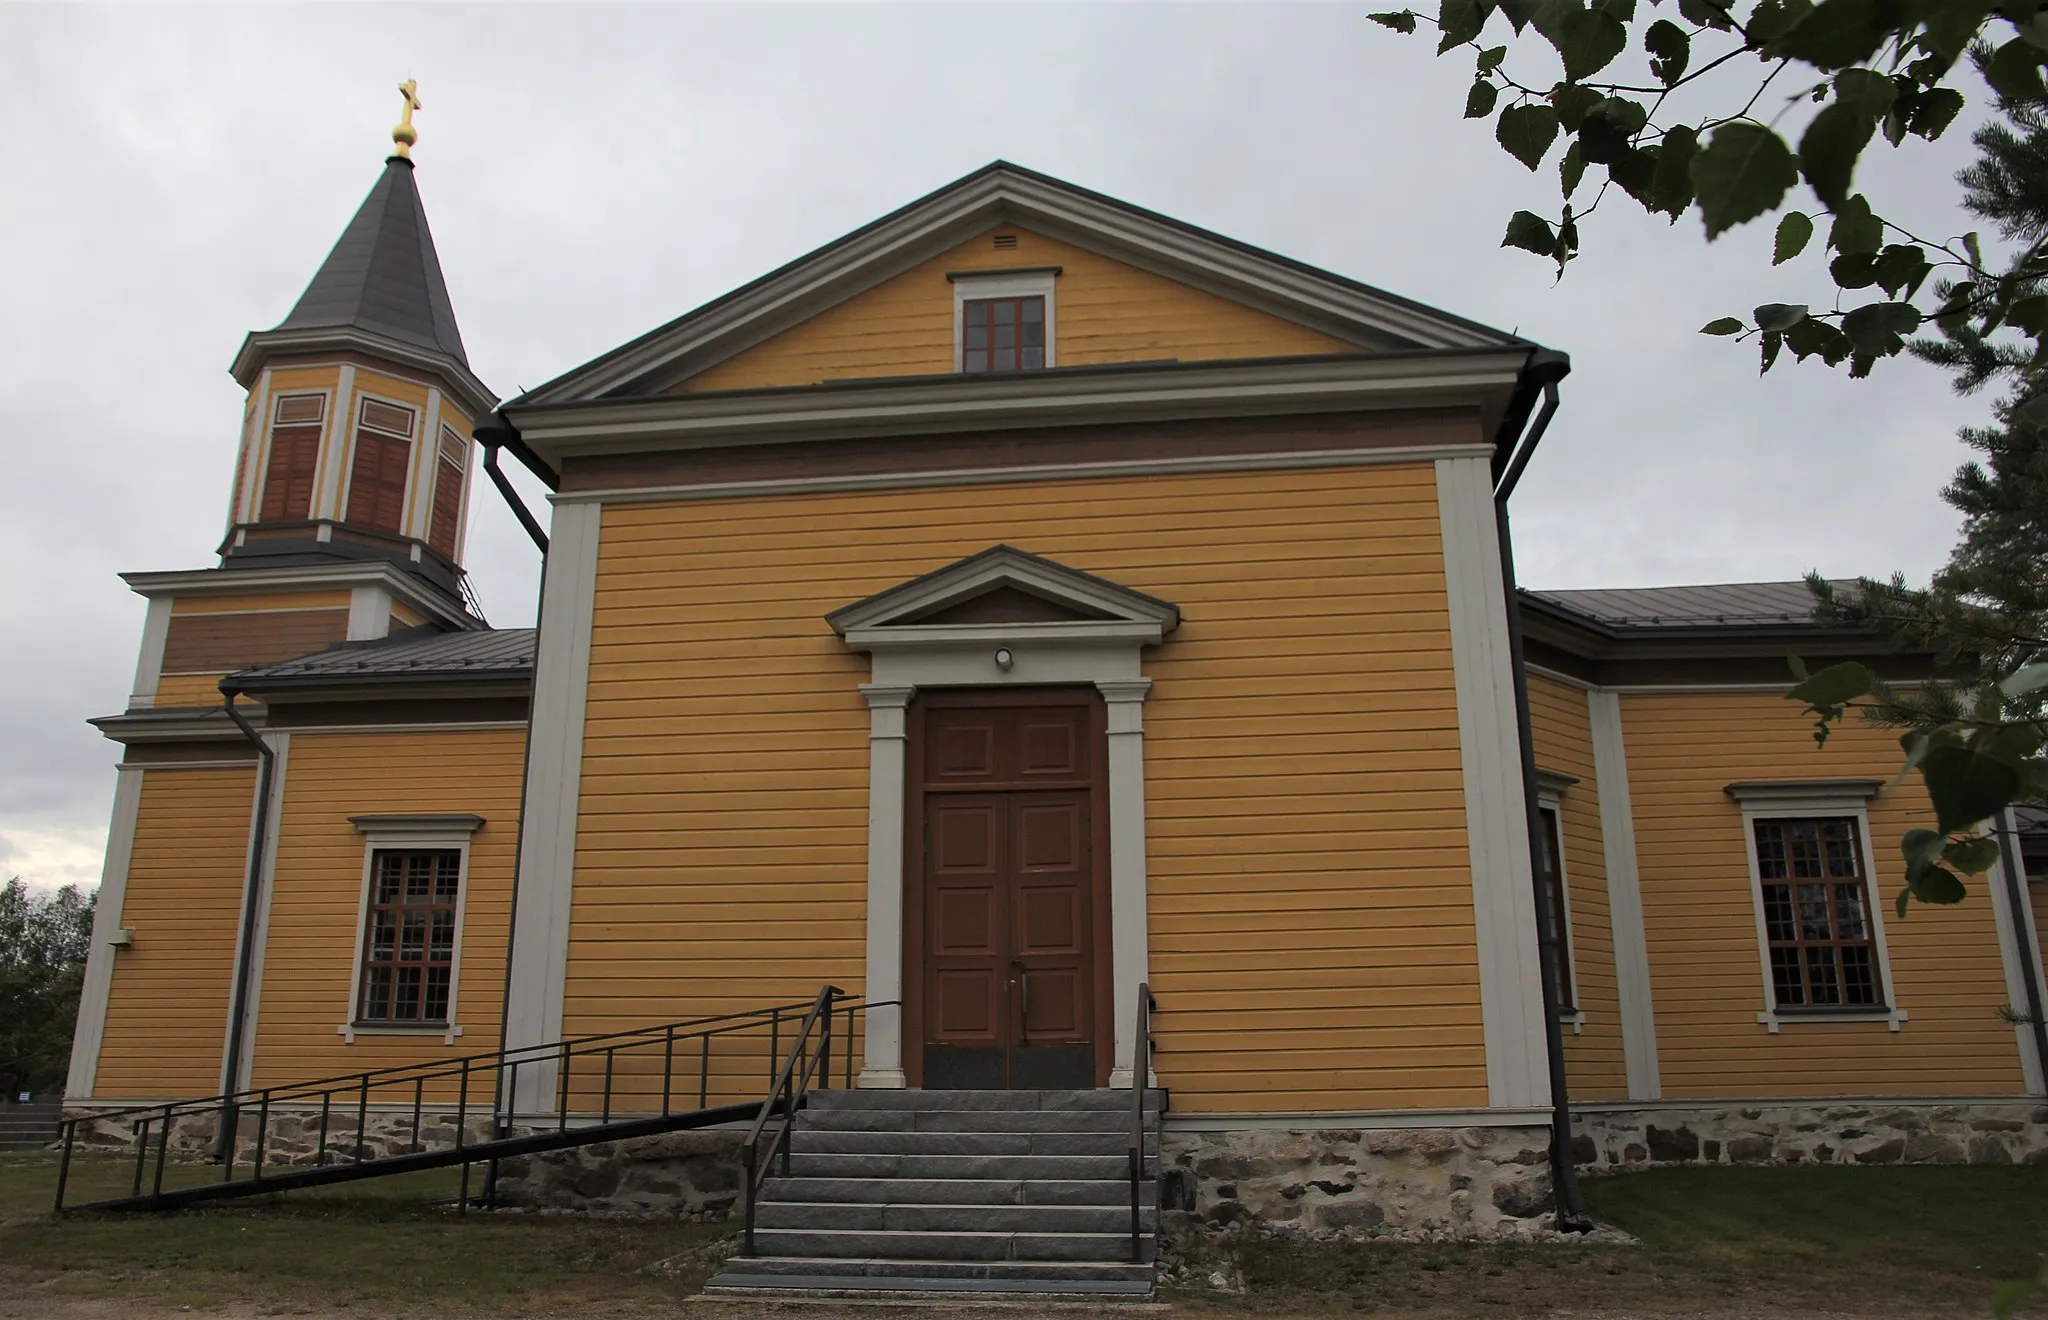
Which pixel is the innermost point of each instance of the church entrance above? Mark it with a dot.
(1007, 907)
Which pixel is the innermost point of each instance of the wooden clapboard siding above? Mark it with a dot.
(1562, 723)
(167, 1008)
(253, 602)
(1311, 903)
(1705, 969)
(188, 690)
(214, 643)
(309, 974)
(1104, 311)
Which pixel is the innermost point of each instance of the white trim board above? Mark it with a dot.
(1496, 817)
(98, 985)
(2014, 929)
(1624, 897)
(547, 853)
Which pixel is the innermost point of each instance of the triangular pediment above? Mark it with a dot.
(1004, 589)
(1334, 313)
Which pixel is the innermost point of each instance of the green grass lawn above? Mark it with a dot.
(1737, 1241)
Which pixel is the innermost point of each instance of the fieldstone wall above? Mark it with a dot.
(1809, 1132)
(676, 1173)
(291, 1135)
(1420, 1184)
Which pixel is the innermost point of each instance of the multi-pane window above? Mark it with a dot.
(1554, 903)
(1002, 334)
(294, 458)
(1817, 920)
(448, 491)
(409, 947)
(376, 484)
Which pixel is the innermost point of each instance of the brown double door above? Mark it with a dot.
(1009, 903)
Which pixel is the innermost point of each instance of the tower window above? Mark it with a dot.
(448, 475)
(294, 457)
(376, 484)
(1002, 334)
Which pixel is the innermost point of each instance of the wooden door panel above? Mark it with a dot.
(1053, 1013)
(968, 1006)
(1049, 748)
(1049, 922)
(1050, 833)
(963, 836)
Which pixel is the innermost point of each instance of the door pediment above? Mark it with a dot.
(1003, 594)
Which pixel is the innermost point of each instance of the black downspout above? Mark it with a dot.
(2030, 967)
(252, 905)
(499, 433)
(1545, 368)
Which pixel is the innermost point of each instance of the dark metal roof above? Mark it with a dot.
(383, 276)
(1733, 603)
(411, 655)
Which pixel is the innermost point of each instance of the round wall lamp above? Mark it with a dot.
(1004, 660)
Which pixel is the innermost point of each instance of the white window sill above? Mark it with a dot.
(1773, 1019)
(348, 1031)
(1575, 1018)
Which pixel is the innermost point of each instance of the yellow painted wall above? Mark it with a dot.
(1104, 311)
(1311, 904)
(1561, 722)
(256, 602)
(303, 380)
(188, 690)
(1705, 968)
(308, 969)
(167, 1008)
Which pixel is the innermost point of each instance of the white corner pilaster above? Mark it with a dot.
(2015, 931)
(1496, 817)
(888, 741)
(337, 448)
(149, 660)
(1624, 898)
(369, 613)
(547, 852)
(106, 923)
(1130, 958)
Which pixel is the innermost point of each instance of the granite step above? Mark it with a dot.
(923, 1217)
(953, 1167)
(938, 1244)
(1021, 1190)
(807, 1140)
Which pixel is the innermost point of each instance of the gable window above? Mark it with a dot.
(376, 484)
(1559, 910)
(409, 945)
(1817, 919)
(1002, 334)
(294, 457)
(448, 474)
(1003, 320)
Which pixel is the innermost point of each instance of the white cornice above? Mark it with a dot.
(260, 345)
(1368, 317)
(927, 405)
(236, 581)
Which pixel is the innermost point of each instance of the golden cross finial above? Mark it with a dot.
(403, 133)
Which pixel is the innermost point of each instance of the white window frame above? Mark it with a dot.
(1817, 799)
(971, 286)
(363, 398)
(409, 833)
(1550, 790)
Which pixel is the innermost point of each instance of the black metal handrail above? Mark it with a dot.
(1141, 1081)
(810, 1056)
(481, 1073)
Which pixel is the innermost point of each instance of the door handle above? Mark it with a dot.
(1023, 1002)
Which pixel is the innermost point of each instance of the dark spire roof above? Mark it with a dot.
(383, 276)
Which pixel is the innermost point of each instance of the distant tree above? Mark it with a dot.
(43, 943)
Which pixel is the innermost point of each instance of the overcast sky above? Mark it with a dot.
(173, 176)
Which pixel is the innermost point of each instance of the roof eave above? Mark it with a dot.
(258, 346)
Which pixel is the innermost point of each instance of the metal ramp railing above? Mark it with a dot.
(467, 1110)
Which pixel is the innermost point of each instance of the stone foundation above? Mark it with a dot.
(291, 1135)
(696, 1174)
(1813, 1132)
(1420, 1184)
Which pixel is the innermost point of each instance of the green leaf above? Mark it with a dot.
(1401, 20)
(1531, 232)
(1879, 329)
(2020, 682)
(1814, 337)
(1526, 132)
(1624, 10)
(1743, 173)
(1867, 90)
(2015, 71)
(1951, 25)
(1670, 50)
(1588, 40)
(1571, 167)
(1605, 136)
(1771, 342)
(1671, 189)
(1795, 231)
(1901, 267)
(1519, 13)
(1854, 270)
(1707, 13)
(1829, 148)
(1837, 684)
(1459, 21)
(1723, 325)
(1972, 856)
(1936, 886)
(2029, 314)
(1490, 58)
(1772, 19)
(1856, 229)
(1573, 103)
(1967, 786)
(1836, 34)
(1636, 171)
(1922, 848)
(1933, 111)
(1479, 101)
(1783, 316)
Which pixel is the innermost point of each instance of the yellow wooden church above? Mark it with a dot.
(1054, 624)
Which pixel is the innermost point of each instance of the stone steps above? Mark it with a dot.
(909, 1193)
(28, 1127)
